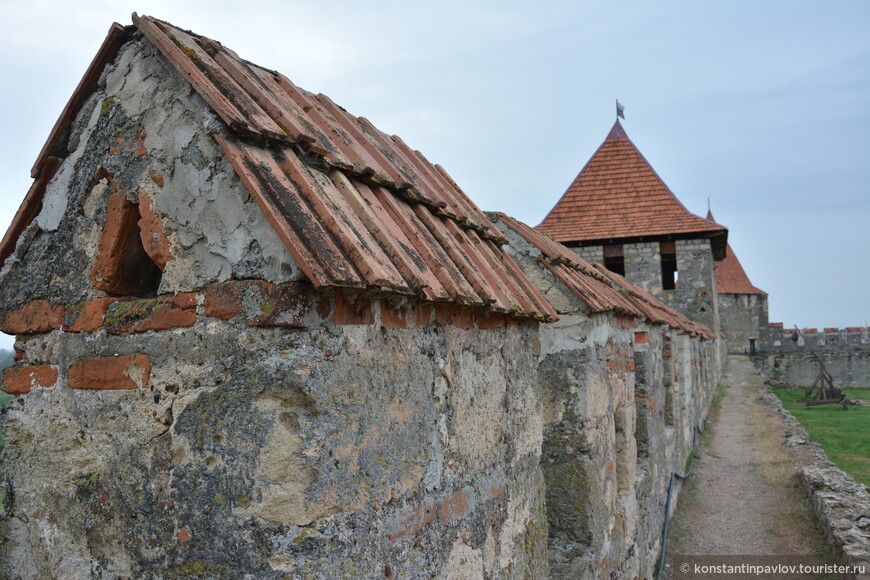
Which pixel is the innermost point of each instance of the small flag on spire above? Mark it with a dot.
(620, 110)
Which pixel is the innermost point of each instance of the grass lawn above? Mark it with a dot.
(845, 435)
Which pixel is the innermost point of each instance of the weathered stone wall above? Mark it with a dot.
(229, 419)
(622, 399)
(592, 254)
(589, 452)
(848, 368)
(620, 408)
(779, 340)
(339, 446)
(145, 137)
(695, 295)
(786, 355)
(743, 316)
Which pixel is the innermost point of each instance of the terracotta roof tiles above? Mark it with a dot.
(619, 195)
(655, 310)
(356, 208)
(598, 288)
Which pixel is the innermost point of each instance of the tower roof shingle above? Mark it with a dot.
(618, 195)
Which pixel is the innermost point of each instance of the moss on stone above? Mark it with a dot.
(107, 106)
(126, 312)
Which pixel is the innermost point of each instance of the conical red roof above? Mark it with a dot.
(619, 195)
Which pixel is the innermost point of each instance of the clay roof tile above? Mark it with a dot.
(619, 195)
(355, 207)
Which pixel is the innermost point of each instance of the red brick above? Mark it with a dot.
(463, 318)
(110, 373)
(641, 337)
(223, 300)
(114, 247)
(19, 355)
(181, 300)
(347, 312)
(444, 312)
(447, 313)
(19, 380)
(88, 316)
(151, 232)
(156, 314)
(395, 317)
(625, 322)
(283, 305)
(324, 306)
(490, 321)
(423, 315)
(156, 178)
(259, 303)
(536, 347)
(165, 317)
(35, 317)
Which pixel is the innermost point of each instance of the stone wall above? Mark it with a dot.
(620, 408)
(349, 439)
(223, 417)
(695, 295)
(849, 369)
(743, 316)
(187, 404)
(622, 398)
(789, 340)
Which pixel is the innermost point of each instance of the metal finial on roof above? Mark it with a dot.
(620, 110)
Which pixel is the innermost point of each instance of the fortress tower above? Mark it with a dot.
(620, 213)
(742, 306)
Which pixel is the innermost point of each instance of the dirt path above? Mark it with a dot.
(742, 497)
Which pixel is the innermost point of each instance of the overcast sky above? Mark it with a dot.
(762, 107)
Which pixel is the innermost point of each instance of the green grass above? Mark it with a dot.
(845, 435)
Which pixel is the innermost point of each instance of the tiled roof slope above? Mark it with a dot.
(619, 195)
(598, 288)
(656, 310)
(384, 218)
(731, 278)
